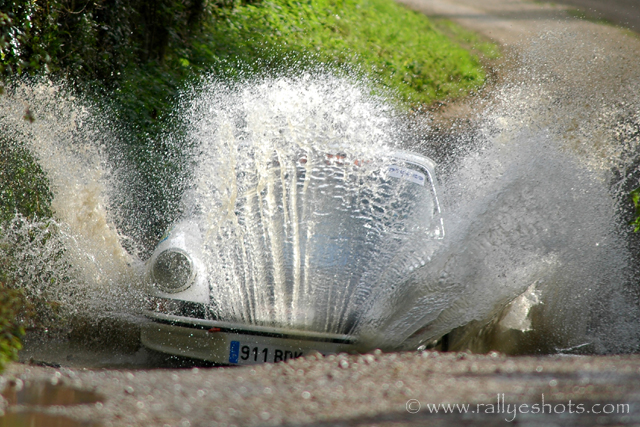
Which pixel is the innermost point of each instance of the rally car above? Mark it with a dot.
(297, 262)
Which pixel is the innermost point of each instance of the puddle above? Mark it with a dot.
(35, 419)
(37, 394)
(47, 394)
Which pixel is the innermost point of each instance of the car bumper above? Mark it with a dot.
(227, 343)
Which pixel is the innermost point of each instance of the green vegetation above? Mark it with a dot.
(23, 187)
(137, 54)
(467, 39)
(635, 197)
(145, 50)
(24, 190)
(11, 303)
(396, 48)
(134, 56)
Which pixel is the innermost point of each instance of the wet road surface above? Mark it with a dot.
(375, 389)
(621, 12)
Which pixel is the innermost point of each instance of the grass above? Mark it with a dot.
(400, 51)
(23, 187)
(469, 40)
(396, 48)
(11, 331)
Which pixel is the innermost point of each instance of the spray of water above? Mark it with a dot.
(533, 246)
(533, 258)
(74, 260)
(301, 226)
(539, 203)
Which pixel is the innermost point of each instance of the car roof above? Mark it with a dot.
(415, 158)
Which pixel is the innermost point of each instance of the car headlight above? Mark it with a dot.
(172, 271)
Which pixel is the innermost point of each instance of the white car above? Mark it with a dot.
(309, 247)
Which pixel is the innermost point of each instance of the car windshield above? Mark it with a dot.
(330, 232)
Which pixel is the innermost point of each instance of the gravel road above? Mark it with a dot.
(382, 389)
(621, 12)
(582, 62)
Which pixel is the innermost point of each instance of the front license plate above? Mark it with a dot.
(247, 354)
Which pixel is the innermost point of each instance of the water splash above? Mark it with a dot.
(526, 214)
(292, 204)
(75, 259)
(544, 192)
(529, 221)
(534, 259)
